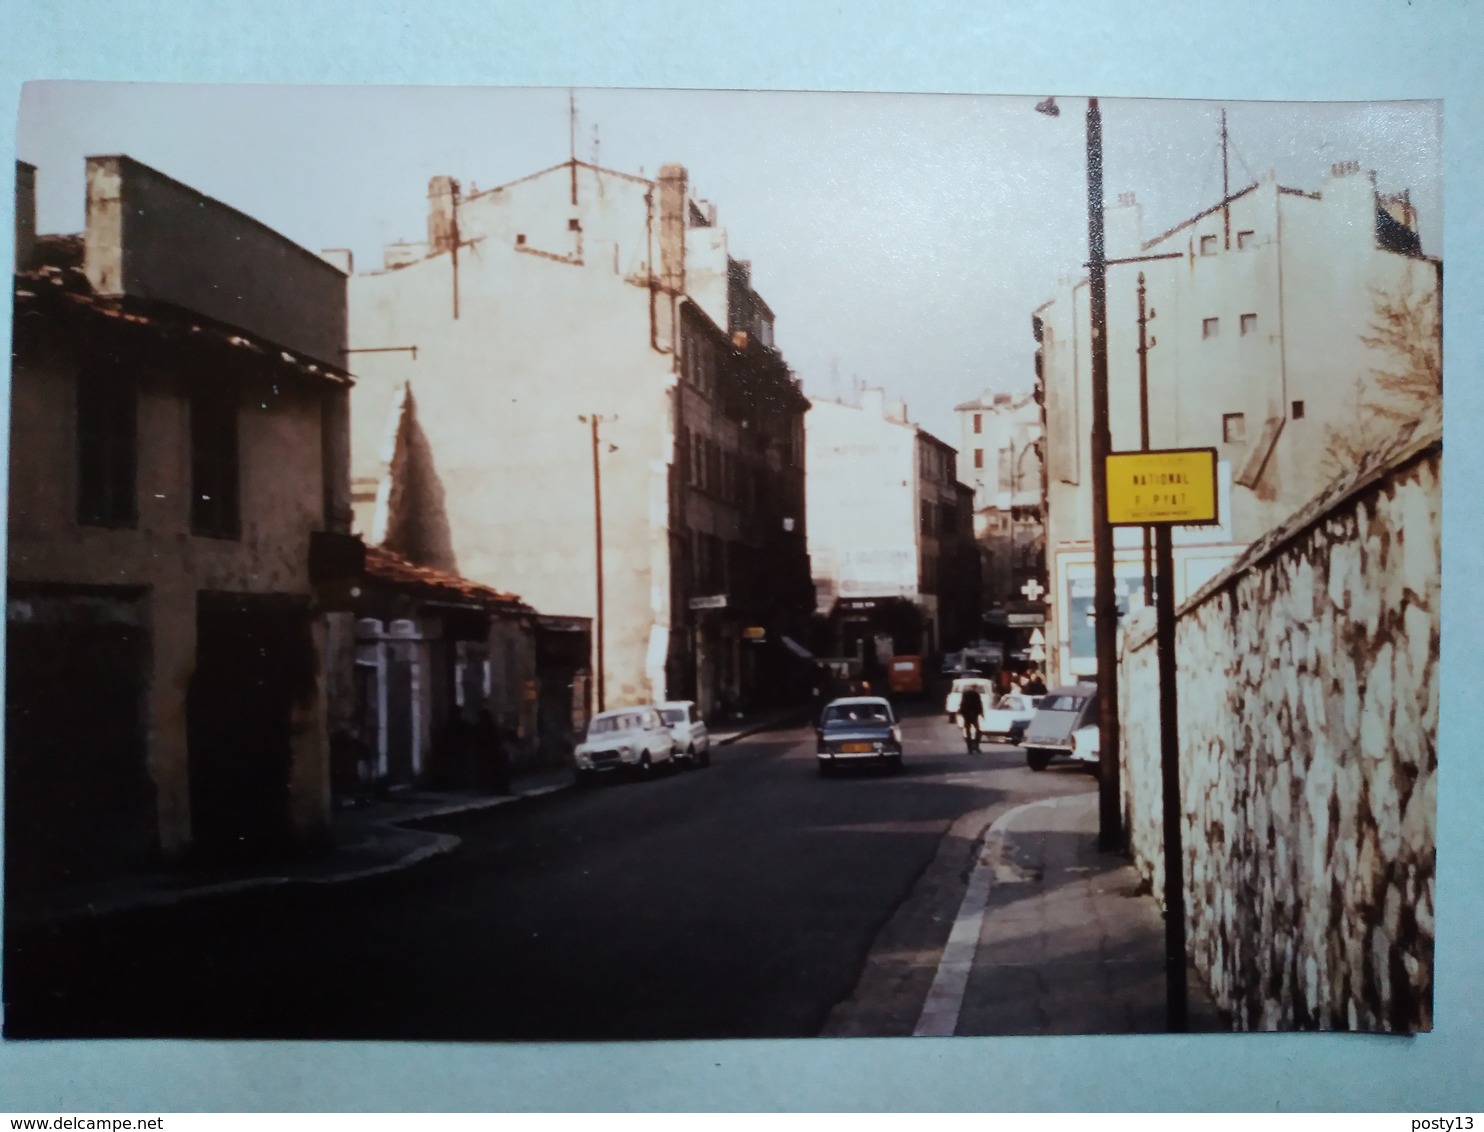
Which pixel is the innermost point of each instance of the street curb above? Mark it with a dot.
(441, 845)
(787, 720)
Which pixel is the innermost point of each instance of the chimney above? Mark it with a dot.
(672, 181)
(897, 411)
(873, 401)
(339, 257)
(103, 240)
(443, 202)
(25, 214)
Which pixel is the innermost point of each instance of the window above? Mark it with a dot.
(978, 423)
(1246, 240)
(1298, 410)
(979, 457)
(682, 455)
(1210, 327)
(107, 448)
(1234, 428)
(1208, 245)
(520, 239)
(214, 486)
(1249, 324)
(574, 225)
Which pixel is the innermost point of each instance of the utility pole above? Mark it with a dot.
(1144, 346)
(1105, 600)
(598, 626)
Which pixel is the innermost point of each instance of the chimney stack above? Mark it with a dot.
(673, 188)
(25, 214)
(443, 202)
(339, 257)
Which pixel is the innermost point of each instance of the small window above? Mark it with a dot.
(574, 225)
(978, 423)
(1210, 327)
(107, 448)
(520, 239)
(214, 472)
(1246, 240)
(979, 457)
(1249, 324)
(1298, 410)
(1208, 245)
(1234, 428)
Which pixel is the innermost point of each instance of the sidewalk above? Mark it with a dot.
(368, 840)
(1053, 937)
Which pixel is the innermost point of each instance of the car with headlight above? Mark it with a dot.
(688, 729)
(634, 739)
(857, 729)
(1065, 726)
(1007, 720)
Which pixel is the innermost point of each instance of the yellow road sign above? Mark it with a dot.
(1175, 486)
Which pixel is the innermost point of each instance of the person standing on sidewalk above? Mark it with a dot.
(970, 712)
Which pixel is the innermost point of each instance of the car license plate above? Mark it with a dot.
(855, 748)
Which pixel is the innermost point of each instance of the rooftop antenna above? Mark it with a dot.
(1226, 187)
(835, 391)
(572, 138)
(595, 144)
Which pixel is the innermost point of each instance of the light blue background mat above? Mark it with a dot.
(1257, 49)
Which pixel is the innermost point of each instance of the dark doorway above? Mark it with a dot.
(254, 660)
(79, 801)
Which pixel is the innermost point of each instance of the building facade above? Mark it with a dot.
(999, 452)
(575, 336)
(890, 536)
(178, 488)
(1287, 329)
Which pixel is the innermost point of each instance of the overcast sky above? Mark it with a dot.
(902, 240)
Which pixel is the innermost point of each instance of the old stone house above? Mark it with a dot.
(178, 480)
(576, 333)
(1264, 320)
(432, 653)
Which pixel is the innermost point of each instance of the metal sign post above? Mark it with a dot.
(1164, 489)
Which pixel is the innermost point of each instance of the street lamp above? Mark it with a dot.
(595, 419)
(1105, 602)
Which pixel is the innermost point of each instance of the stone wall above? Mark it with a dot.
(1308, 703)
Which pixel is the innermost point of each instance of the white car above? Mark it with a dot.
(634, 738)
(688, 729)
(984, 687)
(1009, 718)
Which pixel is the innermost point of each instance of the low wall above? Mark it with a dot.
(1308, 703)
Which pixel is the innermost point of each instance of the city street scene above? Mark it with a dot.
(601, 565)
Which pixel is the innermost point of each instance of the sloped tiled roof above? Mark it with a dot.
(392, 569)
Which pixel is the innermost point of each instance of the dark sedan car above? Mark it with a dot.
(858, 729)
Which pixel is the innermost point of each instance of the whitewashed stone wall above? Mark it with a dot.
(1308, 705)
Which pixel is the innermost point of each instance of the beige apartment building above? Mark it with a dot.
(1263, 345)
(485, 354)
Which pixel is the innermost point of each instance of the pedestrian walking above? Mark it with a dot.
(970, 711)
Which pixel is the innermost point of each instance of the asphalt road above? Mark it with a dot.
(736, 901)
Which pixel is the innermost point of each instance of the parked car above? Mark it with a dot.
(688, 730)
(633, 738)
(1060, 728)
(857, 729)
(984, 687)
(1009, 718)
(953, 664)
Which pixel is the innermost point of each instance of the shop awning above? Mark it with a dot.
(797, 649)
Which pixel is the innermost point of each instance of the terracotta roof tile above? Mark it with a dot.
(384, 566)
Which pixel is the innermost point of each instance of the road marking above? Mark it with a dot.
(945, 999)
